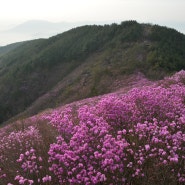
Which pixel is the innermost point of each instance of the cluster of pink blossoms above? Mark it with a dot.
(30, 161)
(122, 139)
(20, 163)
(22, 180)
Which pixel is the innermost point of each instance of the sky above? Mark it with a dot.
(169, 13)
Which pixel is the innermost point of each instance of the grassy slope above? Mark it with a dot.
(83, 62)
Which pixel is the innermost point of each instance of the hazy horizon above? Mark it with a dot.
(168, 13)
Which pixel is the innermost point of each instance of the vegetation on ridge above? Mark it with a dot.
(98, 55)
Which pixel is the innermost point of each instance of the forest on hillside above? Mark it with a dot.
(33, 68)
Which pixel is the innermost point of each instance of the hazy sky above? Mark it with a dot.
(165, 12)
(93, 10)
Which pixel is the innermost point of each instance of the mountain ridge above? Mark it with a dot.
(84, 62)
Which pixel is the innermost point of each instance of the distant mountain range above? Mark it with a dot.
(35, 29)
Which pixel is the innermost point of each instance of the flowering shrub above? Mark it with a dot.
(21, 157)
(177, 78)
(123, 139)
(133, 138)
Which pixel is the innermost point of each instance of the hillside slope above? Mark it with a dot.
(83, 62)
(6, 49)
(118, 138)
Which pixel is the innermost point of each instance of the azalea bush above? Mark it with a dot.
(132, 138)
(23, 153)
(136, 138)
